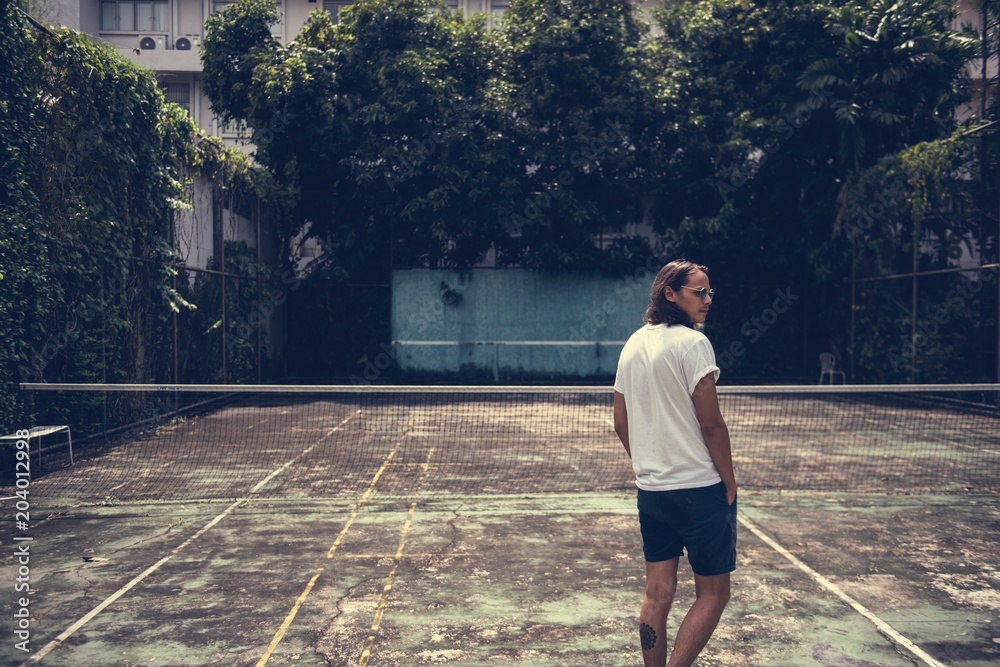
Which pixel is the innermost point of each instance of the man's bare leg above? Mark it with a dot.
(661, 584)
(712, 595)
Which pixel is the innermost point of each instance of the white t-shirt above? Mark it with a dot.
(658, 370)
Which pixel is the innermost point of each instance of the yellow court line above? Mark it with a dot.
(414, 556)
(387, 589)
(280, 634)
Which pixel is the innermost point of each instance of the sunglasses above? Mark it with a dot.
(701, 292)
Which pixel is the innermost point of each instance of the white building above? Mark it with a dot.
(166, 36)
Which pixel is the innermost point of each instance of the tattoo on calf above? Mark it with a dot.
(647, 636)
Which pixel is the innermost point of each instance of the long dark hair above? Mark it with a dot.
(673, 275)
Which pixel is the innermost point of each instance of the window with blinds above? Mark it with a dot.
(179, 94)
(135, 15)
(334, 7)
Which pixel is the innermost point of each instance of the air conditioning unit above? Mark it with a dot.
(148, 43)
(182, 44)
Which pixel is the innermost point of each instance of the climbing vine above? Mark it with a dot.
(96, 165)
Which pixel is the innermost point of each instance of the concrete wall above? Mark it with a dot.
(514, 324)
(193, 237)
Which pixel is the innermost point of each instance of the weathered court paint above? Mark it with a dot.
(520, 580)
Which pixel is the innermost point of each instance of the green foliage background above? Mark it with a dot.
(94, 164)
(738, 129)
(20, 229)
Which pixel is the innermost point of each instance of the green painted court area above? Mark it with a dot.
(532, 580)
(483, 532)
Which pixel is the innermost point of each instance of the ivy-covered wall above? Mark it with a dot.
(20, 230)
(94, 164)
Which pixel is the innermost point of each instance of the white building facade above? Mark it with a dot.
(166, 36)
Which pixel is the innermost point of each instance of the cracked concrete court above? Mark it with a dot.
(484, 580)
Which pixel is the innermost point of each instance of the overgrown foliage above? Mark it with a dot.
(95, 163)
(418, 138)
(915, 211)
(374, 123)
(413, 137)
(21, 243)
(896, 76)
(782, 105)
(578, 90)
(406, 136)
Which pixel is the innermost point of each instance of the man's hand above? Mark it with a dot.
(731, 494)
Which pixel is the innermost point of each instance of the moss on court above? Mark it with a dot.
(488, 580)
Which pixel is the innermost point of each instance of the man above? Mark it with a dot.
(666, 413)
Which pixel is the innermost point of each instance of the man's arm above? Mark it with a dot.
(621, 421)
(715, 432)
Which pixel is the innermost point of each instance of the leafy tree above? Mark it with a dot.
(896, 78)
(762, 135)
(751, 188)
(582, 109)
(236, 51)
(761, 175)
(377, 124)
(449, 139)
(383, 131)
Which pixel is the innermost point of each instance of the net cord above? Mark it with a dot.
(497, 389)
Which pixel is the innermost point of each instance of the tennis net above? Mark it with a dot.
(181, 442)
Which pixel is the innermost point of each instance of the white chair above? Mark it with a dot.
(37, 433)
(827, 362)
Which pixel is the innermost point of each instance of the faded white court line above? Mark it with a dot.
(71, 630)
(884, 627)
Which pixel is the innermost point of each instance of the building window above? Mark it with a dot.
(234, 128)
(179, 94)
(334, 7)
(497, 10)
(134, 16)
(278, 29)
(452, 6)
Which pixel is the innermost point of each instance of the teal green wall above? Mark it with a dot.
(513, 324)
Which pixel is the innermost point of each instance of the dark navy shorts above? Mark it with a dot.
(698, 520)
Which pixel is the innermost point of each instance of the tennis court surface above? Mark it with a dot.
(486, 526)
